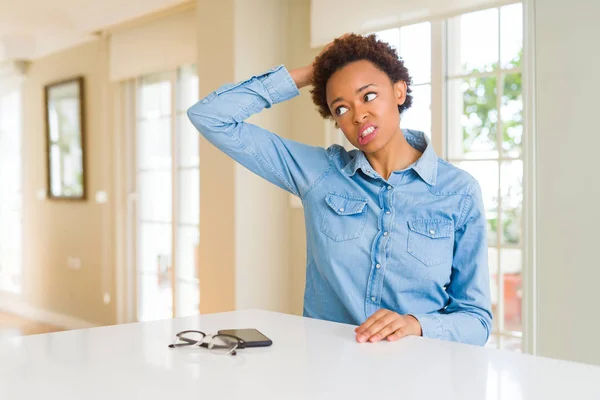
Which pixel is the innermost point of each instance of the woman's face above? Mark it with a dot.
(364, 104)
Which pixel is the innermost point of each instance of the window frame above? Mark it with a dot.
(439, 140)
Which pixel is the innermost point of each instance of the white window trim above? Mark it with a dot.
(529, 182)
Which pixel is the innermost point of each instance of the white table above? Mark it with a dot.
(309, 359)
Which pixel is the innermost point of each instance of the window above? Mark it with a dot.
(483, 117)
(10, 184)
(413, 44)
(484, 135)
(168, 196)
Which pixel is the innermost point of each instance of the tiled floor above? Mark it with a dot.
(13, 325)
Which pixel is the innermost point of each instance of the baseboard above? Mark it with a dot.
(9, 304)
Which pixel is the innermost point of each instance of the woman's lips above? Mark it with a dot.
(367, 134)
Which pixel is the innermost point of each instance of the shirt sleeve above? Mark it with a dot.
(220, 118)
(467, 318)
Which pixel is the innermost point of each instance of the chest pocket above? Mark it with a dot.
(344, 217)
(431, 241)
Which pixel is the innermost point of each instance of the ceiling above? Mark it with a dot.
(31, 29)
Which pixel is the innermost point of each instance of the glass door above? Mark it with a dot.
(168, 195)
(10, 190)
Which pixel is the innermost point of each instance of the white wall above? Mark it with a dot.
(568, 139)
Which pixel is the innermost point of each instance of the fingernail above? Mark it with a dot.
(374, 339)
(361, 339)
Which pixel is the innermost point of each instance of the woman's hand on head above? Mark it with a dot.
(303, 76)
(386, 324)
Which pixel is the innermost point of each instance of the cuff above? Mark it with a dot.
(431, 325)
(279, 84)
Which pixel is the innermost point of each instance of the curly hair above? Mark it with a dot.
(348, 49)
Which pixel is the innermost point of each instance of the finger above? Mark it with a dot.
(371, 320)
(377, 326)
(399, 334)
(388, 330)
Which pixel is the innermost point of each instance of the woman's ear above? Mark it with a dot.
(400, 89)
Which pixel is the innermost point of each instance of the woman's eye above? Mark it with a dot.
(341, 110)
(370, 96)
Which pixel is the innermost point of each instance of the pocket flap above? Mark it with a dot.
(344, 205)
(433, 228)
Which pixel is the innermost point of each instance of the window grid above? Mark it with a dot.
(499, 73)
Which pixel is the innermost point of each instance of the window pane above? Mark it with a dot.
(56, 184)
(155, 298)
(418, 116)
(189, 145)
(486, 173)
(511, 39)
(512, 115)
(154, 96)
(390, 36)
(187, 248)
(189, 196)
(512, 267)
(155, 192)
(472, 118)
(511, 184)
(415, 50)
(187, 86)
(477, 35)
(155, 248)
(493, 266)
(188, 299)
(154, 143)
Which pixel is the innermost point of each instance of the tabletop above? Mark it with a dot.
(309, 359)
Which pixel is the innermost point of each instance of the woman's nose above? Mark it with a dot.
(360, 115)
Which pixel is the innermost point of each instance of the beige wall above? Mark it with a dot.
(217, 171)
(56, 230)
(247, 234)
(262, 210)
(307, 127)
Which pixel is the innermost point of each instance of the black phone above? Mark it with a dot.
(252, 337)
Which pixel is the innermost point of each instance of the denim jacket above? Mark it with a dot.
(414, 243)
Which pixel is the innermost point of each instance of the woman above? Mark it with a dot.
(396, 236)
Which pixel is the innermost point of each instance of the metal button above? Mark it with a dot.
(390, 187)
(342, 209)
(385, 233)
(378, 266)
(388, 212)
(432, 232)
(373, 298)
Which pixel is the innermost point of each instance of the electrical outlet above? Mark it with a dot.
(74, 263)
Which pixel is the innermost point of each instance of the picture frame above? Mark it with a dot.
(65, 139)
